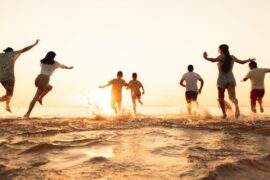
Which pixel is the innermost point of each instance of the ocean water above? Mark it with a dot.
(89, 111)
(159, 143)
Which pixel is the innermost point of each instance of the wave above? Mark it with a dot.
(242, 170)
(98, 159)
(43, 147)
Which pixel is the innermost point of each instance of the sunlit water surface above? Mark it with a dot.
(161, 143)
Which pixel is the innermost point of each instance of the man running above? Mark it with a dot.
(117, 85)
(7, 77)
(191, 78)
(256, 76)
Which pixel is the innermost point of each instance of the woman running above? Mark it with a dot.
(226, 78)
(48, 66)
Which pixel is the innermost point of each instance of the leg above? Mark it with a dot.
(232, 96)
(188, 99)
(7, 99)
(119, 105)
(134, 104)
(44, 93)
(140, 101)
(7, 103)
(194, 99)
(113, 105)
(33, 102)
(189, 108)
(261, 105)
(221, 101)
(9, 87)
(253, 99)
(260, 98)
(139, 95)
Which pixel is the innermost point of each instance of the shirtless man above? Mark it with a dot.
(135, 87)
(116, 96)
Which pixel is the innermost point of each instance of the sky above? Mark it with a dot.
(155, 38)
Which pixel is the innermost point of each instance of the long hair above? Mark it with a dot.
(226, 64)
(49, 58)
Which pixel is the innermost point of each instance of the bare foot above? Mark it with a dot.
(262, 110)
(254, 110)
(237, 113)
(26, 115)
(40, 101)
(8, 109)
(224, 116)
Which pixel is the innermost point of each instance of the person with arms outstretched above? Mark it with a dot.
(226, 80)
(116, 95)
(48, 66)
(135, 87)
(256, 76)
(7, 76)
(189, 81)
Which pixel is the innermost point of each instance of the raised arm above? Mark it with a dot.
(66, 67)
(205, 56)
(104, 86)
(62, 66)
(243, 61)
(28, 47)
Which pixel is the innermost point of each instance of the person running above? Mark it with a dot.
(116, 96)
(135, 87)
(7, 76)
(48, 66)
(256, 76)
(189, 81)
(226, 80)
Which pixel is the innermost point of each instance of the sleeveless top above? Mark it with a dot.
(225, 79)
(48, 69)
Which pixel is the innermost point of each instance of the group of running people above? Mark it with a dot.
(225, 81)
(7, 77)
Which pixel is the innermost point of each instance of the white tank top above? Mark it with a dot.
(48, 69)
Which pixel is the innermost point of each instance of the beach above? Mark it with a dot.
(142, 147)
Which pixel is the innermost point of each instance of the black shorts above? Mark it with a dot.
(191, 96)
(9, 86)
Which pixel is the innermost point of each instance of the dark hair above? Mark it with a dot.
(252, 64)
(226, 64)
(134, 75)
(119, 74)
(8, 49)
(49, 58)
(190, 68)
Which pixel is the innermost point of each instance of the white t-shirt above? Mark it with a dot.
(256, 77)
(191, 79)
(48, 69)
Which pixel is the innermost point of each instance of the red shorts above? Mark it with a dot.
(136, 95)
(256, 94)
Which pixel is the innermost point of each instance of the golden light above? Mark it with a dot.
(100, 99)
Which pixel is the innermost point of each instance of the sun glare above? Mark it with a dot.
(100, 100)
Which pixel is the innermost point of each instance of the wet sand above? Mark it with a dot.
(145, 147)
